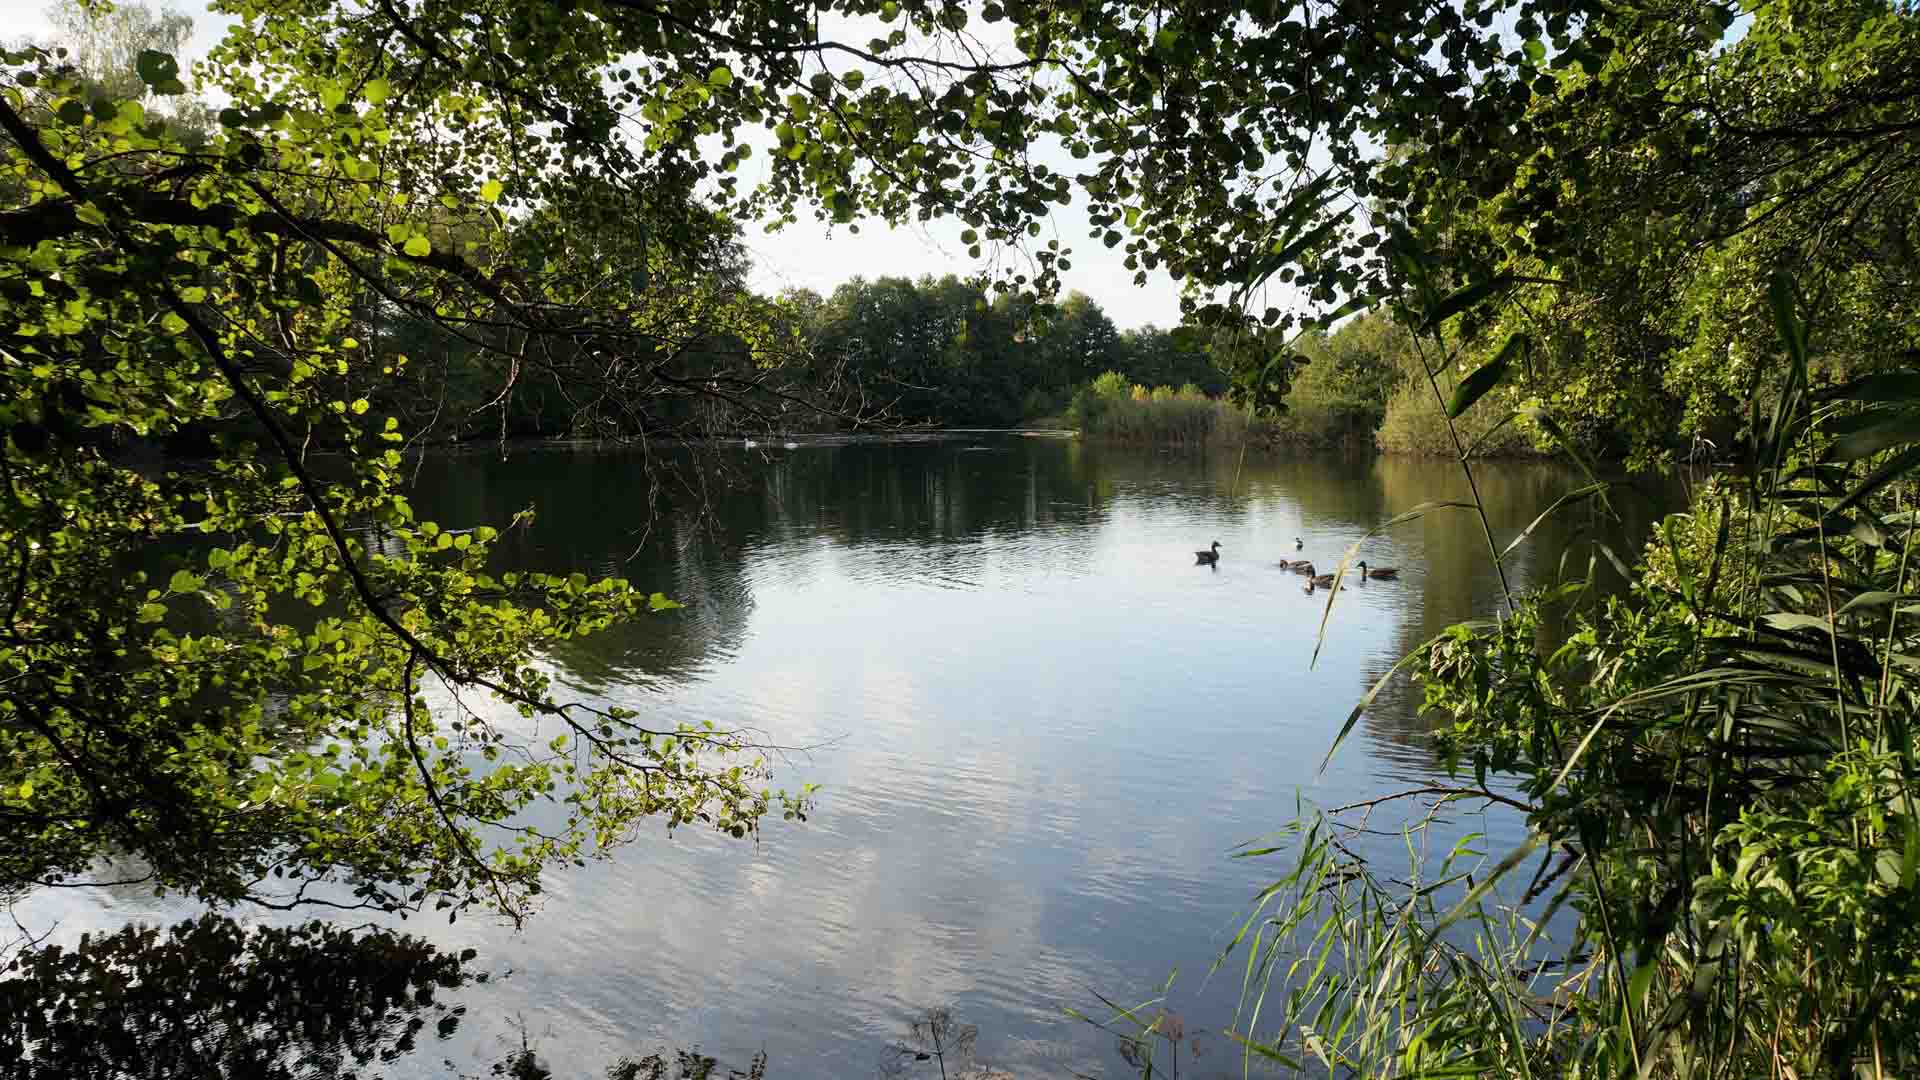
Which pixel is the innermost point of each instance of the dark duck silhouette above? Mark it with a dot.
(1209, 557)
(1381, 572)
(1297, 545)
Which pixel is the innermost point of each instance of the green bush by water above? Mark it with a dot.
(1113, 410)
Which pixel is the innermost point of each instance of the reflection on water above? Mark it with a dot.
(1040, 729)
(208, 998)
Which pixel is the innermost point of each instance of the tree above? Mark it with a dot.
(429, 170)
(177, 707)
(105, 44)
(1631, 221)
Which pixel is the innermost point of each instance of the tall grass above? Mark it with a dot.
(1718, 776)
(1113, 410)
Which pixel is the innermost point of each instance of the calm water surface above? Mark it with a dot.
(1038, 727)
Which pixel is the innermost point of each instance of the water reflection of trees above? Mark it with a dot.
(934, 503)
(595, 508)
(210, 998)
(1456, 579)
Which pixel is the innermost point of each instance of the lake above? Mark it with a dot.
(1039, 729)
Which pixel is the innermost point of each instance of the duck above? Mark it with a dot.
(1304, 566)
(1324, 581)
(1208, 557)
(1298, 544)
(1312, 583)
(1285, 564)
(1377, 571)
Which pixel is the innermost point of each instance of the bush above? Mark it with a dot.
(1414, 423)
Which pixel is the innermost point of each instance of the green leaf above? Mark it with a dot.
(1576, 495)
(1789, 620)
(490, 191)
(419, 247)
(1783, 298)
(720, 76)
(1877, 598)
(1894, 428)
(1893, 469)
(185, 581)
(1885, 386)
(156, 69)
(1476, 385)
(376, 91)
(659, 602)
(1462, 299)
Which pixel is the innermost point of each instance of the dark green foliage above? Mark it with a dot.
(942, 351)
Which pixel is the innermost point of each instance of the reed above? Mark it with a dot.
(1717, 775)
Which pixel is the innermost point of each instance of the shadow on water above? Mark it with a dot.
(209, 998)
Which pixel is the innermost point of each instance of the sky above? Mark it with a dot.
(819, 256)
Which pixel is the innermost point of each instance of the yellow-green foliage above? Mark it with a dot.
(1415, 423)
(1111, 409)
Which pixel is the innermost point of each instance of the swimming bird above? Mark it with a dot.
(1324, 581)
(1297, 545)
(1209, 557)
(1284, 564)
(1304, 566)
(1378, 571)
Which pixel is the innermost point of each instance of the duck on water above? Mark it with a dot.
(1209, 557)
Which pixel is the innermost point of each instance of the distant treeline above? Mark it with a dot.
(942, 351)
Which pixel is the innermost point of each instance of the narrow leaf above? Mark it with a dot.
(1485, 378)
(1899, 465)
(1575, 495)
(1872, 599)
(1895, 428)
(1463, 298)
